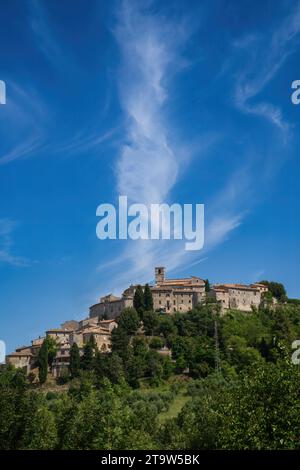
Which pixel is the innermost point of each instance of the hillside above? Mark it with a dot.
(229, 383)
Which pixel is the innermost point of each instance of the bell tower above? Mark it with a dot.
(160, 274)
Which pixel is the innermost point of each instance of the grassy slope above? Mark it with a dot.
(175, 407)
(177, 404)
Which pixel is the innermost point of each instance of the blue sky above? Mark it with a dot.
(186, 102)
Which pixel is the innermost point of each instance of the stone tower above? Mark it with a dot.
(160, 274)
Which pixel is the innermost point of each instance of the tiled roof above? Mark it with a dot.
(186, 281)
(19, 354)
(107, 321)
(57, 330)
(95, 331)
(234, 286)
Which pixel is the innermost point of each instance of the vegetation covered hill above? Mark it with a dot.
(229, 384)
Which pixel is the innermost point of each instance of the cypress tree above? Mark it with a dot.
(43, 362)
(148, 299)
(88, 355)
(74, 360)
(138, 300)
(207, 285)
(93, 343)
(120, 342)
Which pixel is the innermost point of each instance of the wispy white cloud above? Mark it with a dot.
(87, 140)
(46, 39)
(262, 55)
(7, 228)
(21, 150)
(150, 46)
(148, 166)
(22, 124)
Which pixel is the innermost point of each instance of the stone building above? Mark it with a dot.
(21, 360)
(70, 325)
(36, 345)
(169, 295)
(111, 306)
(102, 338)
(261, 287)
(25, 357)
(60, 335)
(101, 331)
(61, 361)
(238, 296)
(176, 295)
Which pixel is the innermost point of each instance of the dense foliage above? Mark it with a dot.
(232, 373)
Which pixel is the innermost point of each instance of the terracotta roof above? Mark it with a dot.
(185, 281)
(19, 354)
(234, 286)
(95, 331)
(187, 289)
(107, 321)
(160, 287)
(38, 340)
(57, 330)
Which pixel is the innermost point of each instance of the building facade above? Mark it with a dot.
(238, 296)
(169, 296)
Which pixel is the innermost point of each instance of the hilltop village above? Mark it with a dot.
(169, 296)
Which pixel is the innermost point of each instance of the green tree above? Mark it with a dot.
(168, 367)
(277, 290)
(156, 343)
(87, 359)
(129, 321)
(43, 362)
(138, 300)
(74, 361)
(148, 299)
(240, 355)
(93, 343)
(120, 342)
(150, 322)
(13, 404)
(181, 363)
(166, 326)
(207, 285)
(40, 432)
(52, 349)
(155, 367)
(115, 369)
